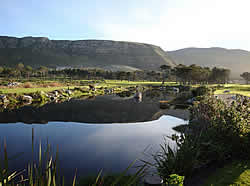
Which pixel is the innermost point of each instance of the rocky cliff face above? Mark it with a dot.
(37, 51)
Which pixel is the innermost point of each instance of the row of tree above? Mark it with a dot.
(246, 76)
(194, 74)
(183, 74)
(22, 71)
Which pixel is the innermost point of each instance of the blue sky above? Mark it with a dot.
(171, 24)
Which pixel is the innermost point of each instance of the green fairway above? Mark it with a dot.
(30, 90)
(125, 82)
(235, 89)
(232, 88)
(236, 173)
(106, 83)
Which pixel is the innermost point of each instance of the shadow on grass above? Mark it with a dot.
(235, 173)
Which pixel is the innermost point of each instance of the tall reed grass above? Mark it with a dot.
(45, 171)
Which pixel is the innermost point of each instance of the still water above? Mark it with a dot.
(88, 147)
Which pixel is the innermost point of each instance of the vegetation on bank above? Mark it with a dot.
(217, 134)
(45, 172)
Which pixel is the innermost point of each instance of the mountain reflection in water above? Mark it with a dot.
(101, 109)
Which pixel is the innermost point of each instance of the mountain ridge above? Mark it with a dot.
(36, 51)
(237, 60)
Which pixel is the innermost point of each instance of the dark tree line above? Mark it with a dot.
(183, 74)
(246, 76)
(195, 74)
(22, 71)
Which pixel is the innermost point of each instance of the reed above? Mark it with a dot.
(45, 171)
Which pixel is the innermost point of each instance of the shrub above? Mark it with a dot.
(184, 88)
(201, 91)
(54, 84)
(217, 132)
(175, 180)
(27, 85)
(182, 160)
(225, 127)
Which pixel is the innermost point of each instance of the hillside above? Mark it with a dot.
(236, 60)
(37, 51)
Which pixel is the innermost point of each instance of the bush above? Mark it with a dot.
(175, 180)
(201, 91)
(184, 88)
(216, 133)
(226, 127)
(182, 161)
(27, 85)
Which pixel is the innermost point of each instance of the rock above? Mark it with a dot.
(162, 88)
(13, 84)
(138, 97)
(52, 98)
(55, 93)
(3, 99)
(92, 87)
(177, 90)
(27, 98)
(152, 180)
(191, 100)
(164, 104)
(107, 91)
(68, 92)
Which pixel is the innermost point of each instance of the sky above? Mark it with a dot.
(170, 24)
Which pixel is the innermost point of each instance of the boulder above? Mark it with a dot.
(3, 99)
(55, 93)
(152, 180)
(68, 92)
(177, 90)
(164, 104)
(13, 84)
(27, 98)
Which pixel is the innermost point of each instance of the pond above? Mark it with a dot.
(131, 130)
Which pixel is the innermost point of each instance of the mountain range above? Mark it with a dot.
(238, 61)
(114, 55)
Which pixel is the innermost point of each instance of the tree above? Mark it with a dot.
(1, 69)
(43, 70)
(220, 75)
(246, 76)
(20, 66)
(19, 69)
(165, 72)
(28, 70)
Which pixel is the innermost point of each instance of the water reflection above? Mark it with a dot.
(88, 147)
(121, 108)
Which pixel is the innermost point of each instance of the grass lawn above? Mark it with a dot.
(30, 90)
(125, 82)
(107, 83)
(235, 89)
(236, 173)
